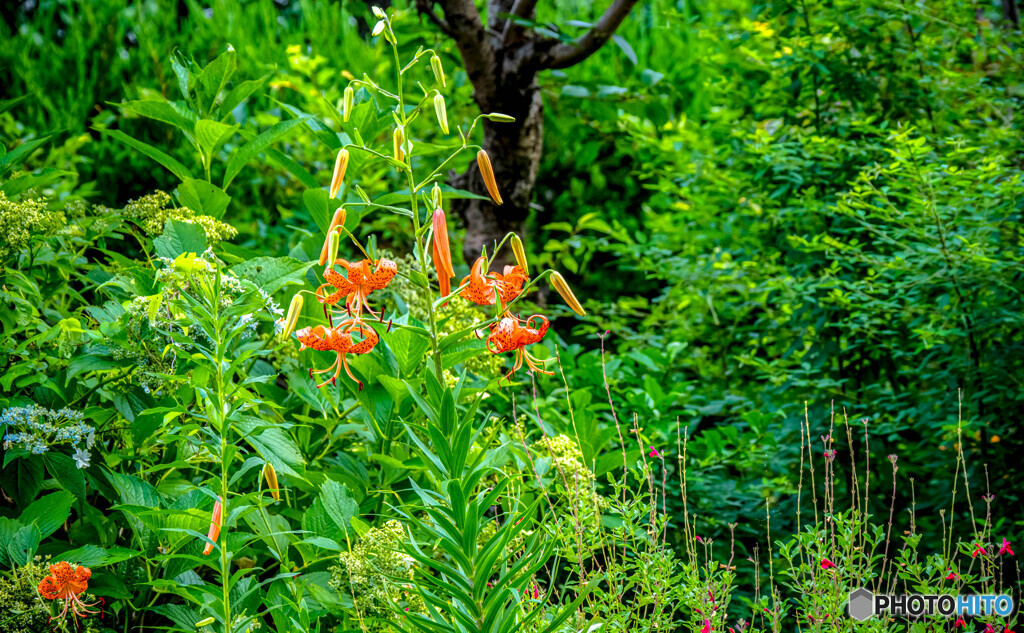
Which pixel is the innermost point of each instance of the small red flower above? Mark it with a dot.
(1005, 548)
(978, 549)
(952, 575)
(654, 453)
(959, 622)
(827, 564)
(707, 626)
(989, 629)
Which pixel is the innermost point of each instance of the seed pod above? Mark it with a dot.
(205, 622)
(216, 519)
(377, 28)
(271, 476)
(336, 222)
(562, 288)
(340, 164)
(435, 65)
(346, 103)
(397, 140)
(294, 308)
(484, 162)
(520, 253)
(441, 111)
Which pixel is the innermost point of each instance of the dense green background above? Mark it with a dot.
(768, 205)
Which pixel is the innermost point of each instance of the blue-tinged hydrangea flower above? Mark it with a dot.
(81, 458)
(36, 429)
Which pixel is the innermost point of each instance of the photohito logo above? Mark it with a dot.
(864, 604)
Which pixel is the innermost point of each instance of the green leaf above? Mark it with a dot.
(163, 111)
(275, 446)
(272, 273)
(43, 177)
(251, 149)
(292, 167)
(20, 153)
(320, 207)
(241, 92)
(447, 193)
(179, 238)
(212, 134)
(331, 513)
(63, 469)
(202, 197)
(48, 512)
(214, 77)
(167, 161)
(409, 349)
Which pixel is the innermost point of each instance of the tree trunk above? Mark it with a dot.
(502, 61)
(515, 151)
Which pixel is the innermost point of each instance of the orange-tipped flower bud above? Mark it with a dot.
(435, 65)
(294, 308)
(484, 162)
(216, 519)
(346, 103)
(340, 164)
(441, 111)
(398, 139)
(271, 476)
(336, 223)
(439, 223)
(520, 253)
(562, 288)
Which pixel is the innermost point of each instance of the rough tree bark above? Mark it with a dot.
(503, 59)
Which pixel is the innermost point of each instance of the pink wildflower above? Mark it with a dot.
(978, 549)
(1005, 548)
(959, 622)
(827, 564)
(707, 627)
(654, 453)
(989, 629)
(952, 575)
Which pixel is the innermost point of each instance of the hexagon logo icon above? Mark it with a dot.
(862, 604)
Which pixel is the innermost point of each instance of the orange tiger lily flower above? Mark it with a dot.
(361, 278)
(482, 286)
(338, 339)
(67, 582)
(509, 336)
(216, 520)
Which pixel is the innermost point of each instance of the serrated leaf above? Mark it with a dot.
(48, 513)
(179, 238)
(212, 134)
(272, 273)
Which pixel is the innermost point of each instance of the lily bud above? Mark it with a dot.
(346, 103)
(501, 118)
(440, 227)
(397, 140)
(205, 622)
(441, 111)
(377, 28)
(562, 288)
(337, 221)
(377, 11)
(340, 164)
(435, 65)
(271, 476)
(362, 194)
(484, 162)
(294, 308)
(435, 196)
(333, 240)
(520, 253)
(216, 519)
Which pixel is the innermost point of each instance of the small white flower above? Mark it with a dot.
(81, 458)
(91, 439)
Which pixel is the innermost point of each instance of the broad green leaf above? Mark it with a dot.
(272, 273)
(48, 512)
(167, 161)
(214, 77)
(250, 150)
(202, 197)
(275, 446)
(43, 177)
(20, 153)
(212, 134)
(331, 513)
(179, 238)
(240, 93)
(320, 207)
(164, 111)
(67, 473)
(292, 167)
(409, 349)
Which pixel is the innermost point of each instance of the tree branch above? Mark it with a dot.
(560, 55)
(465, 26)
(426, 7)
